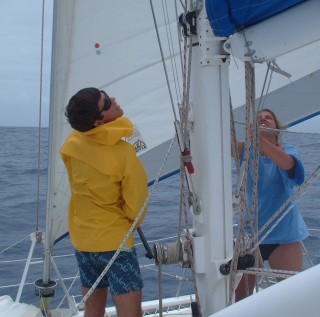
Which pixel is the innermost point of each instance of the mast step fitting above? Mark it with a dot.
(45, 290)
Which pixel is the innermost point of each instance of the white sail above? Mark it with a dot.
(111, 45)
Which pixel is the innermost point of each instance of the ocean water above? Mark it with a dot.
(21, 186)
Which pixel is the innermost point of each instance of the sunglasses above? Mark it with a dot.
(107, 103)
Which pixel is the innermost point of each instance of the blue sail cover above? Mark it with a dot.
(229, 16)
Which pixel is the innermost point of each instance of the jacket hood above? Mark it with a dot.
(87, 146)
(109, 133)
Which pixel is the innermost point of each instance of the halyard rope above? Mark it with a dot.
(253, 211)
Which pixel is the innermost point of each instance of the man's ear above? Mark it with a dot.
(97, 123)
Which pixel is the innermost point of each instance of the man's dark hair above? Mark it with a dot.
(82, 109)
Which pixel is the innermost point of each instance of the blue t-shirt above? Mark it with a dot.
(274, 188)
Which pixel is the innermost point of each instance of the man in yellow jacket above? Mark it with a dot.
(108, 190)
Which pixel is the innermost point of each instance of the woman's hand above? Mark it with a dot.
(275, 153)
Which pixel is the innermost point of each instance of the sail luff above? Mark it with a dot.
(47, 243)
(57, 178)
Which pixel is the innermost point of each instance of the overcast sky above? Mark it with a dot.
(20, 42)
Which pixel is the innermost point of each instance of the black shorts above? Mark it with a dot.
(267, 249)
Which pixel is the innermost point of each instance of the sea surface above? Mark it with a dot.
(23, 183)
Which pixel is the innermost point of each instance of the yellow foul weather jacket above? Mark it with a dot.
(108, 186)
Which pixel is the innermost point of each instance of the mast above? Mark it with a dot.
(211, 152)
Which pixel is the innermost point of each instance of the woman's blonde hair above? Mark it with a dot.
(278, 124)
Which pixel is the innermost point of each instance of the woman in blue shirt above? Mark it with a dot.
(280, 169)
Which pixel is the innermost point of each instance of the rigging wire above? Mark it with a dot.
(171, 48)
(11, 246)
(40, 117)
(163, 59)
(179, 34)
(263, 94)
(182, 127)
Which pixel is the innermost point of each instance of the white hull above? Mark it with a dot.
(296, 296)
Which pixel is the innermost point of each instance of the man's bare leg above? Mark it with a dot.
(129, 304)
(96, 303)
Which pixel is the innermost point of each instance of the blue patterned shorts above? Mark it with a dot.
(123, 275)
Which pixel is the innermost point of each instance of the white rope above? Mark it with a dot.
(269, 272)
(253, 210)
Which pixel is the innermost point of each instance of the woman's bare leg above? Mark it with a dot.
(287, 257)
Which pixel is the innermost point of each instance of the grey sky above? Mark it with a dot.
(20, 42)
